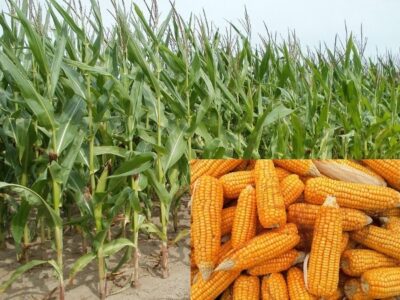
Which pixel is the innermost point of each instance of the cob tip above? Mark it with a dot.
(330, 201)
(205, 271)
(369, 220)
(383, 220)
(364, 286)
(226, 265)
(300, 258)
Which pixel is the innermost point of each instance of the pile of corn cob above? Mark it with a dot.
(295, 229)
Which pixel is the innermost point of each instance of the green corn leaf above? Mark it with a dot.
(116, 245)
(55, 218)
(80, 264)
(19, 271)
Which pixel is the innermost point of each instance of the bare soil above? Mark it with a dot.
(38, 283)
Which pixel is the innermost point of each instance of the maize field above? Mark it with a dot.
(295, 229)
(101, 125)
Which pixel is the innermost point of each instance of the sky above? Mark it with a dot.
(313, 21)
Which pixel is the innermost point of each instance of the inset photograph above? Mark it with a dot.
(295, 229)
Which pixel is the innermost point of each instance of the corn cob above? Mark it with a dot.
(261, 248)
(270, 203)
(192, 162)
(212, 167)
(391, 223)
(305, 215)
(381, 282)
(348, 171)
(227, 294)
(296, 287)
(354, 262)
(246, 288)
(251, 164)
(387, 168)
(206, 226)
(245, 221)
(282, 173)
(391, 212)
(344, 242)
(234, 182)
(227, 216)
(274, 287)
(323, 269)
(302, 167)
(218, 282)
(210, 289)
(278, 264)
(353, 291)
(193, 275)
(305, 239)
(242, 166)
(351, 195)
(223, 251)
(337, 295)
(291, 188)
(379, 239)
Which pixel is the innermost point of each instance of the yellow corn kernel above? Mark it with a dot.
(246, 288)
(305, 215)
(282, 173)
(227, 294)
(381, 282)
(242, 166)
(207, 202)
(351, 195)
(354, 262)
(278, 264)
(274, 287)
(380, 239)
(245, 220)
(302, 167)
(270, 203)
(323, 268)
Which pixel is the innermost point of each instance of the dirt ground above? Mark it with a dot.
(39, 282)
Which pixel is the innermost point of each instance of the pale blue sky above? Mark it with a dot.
(314, 21)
